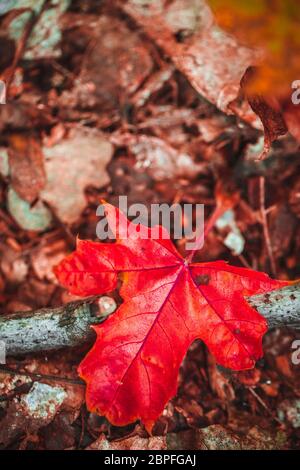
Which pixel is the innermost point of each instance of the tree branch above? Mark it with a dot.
(70, 325)
(49, 328)
(280, 307)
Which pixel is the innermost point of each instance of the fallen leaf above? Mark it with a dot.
(117, 62)
(269, 111)
(45, 257)
(214, 60)
(291, 113)
(71, 165)
(45, 37)
(26, 164)
(37, 217)
(13, 265)
(157, 158)
(168, 303)
(219, 381)
(186, 32)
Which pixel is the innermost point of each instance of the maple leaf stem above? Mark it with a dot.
(217, 213)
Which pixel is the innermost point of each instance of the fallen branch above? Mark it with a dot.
(280, 307)
(68, 326)
(49, 328)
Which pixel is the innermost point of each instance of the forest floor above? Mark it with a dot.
(112, 115)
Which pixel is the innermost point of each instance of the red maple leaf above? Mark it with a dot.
(131, 371)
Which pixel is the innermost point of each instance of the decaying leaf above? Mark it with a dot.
(46, 35)
(268, 109)
(26, 162)
(188, 34)
(37, 217)
(71, 165)
(215, 61)
(61, 173)
(159, 159)
(116, 64)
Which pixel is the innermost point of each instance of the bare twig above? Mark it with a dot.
(263, 404)
(265, 224)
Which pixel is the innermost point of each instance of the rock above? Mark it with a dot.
(35, 410)
(131, 443)
(43, 401)
(289, 410)
(217, 437)
(71, 165)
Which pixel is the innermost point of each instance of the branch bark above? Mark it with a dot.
(70, 325)
(280, 307)
(49, 328)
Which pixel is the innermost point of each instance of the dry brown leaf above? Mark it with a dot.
(212, 60)
(71, 165)
(26, 163)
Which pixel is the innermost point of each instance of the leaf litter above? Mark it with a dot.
(166, 98)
